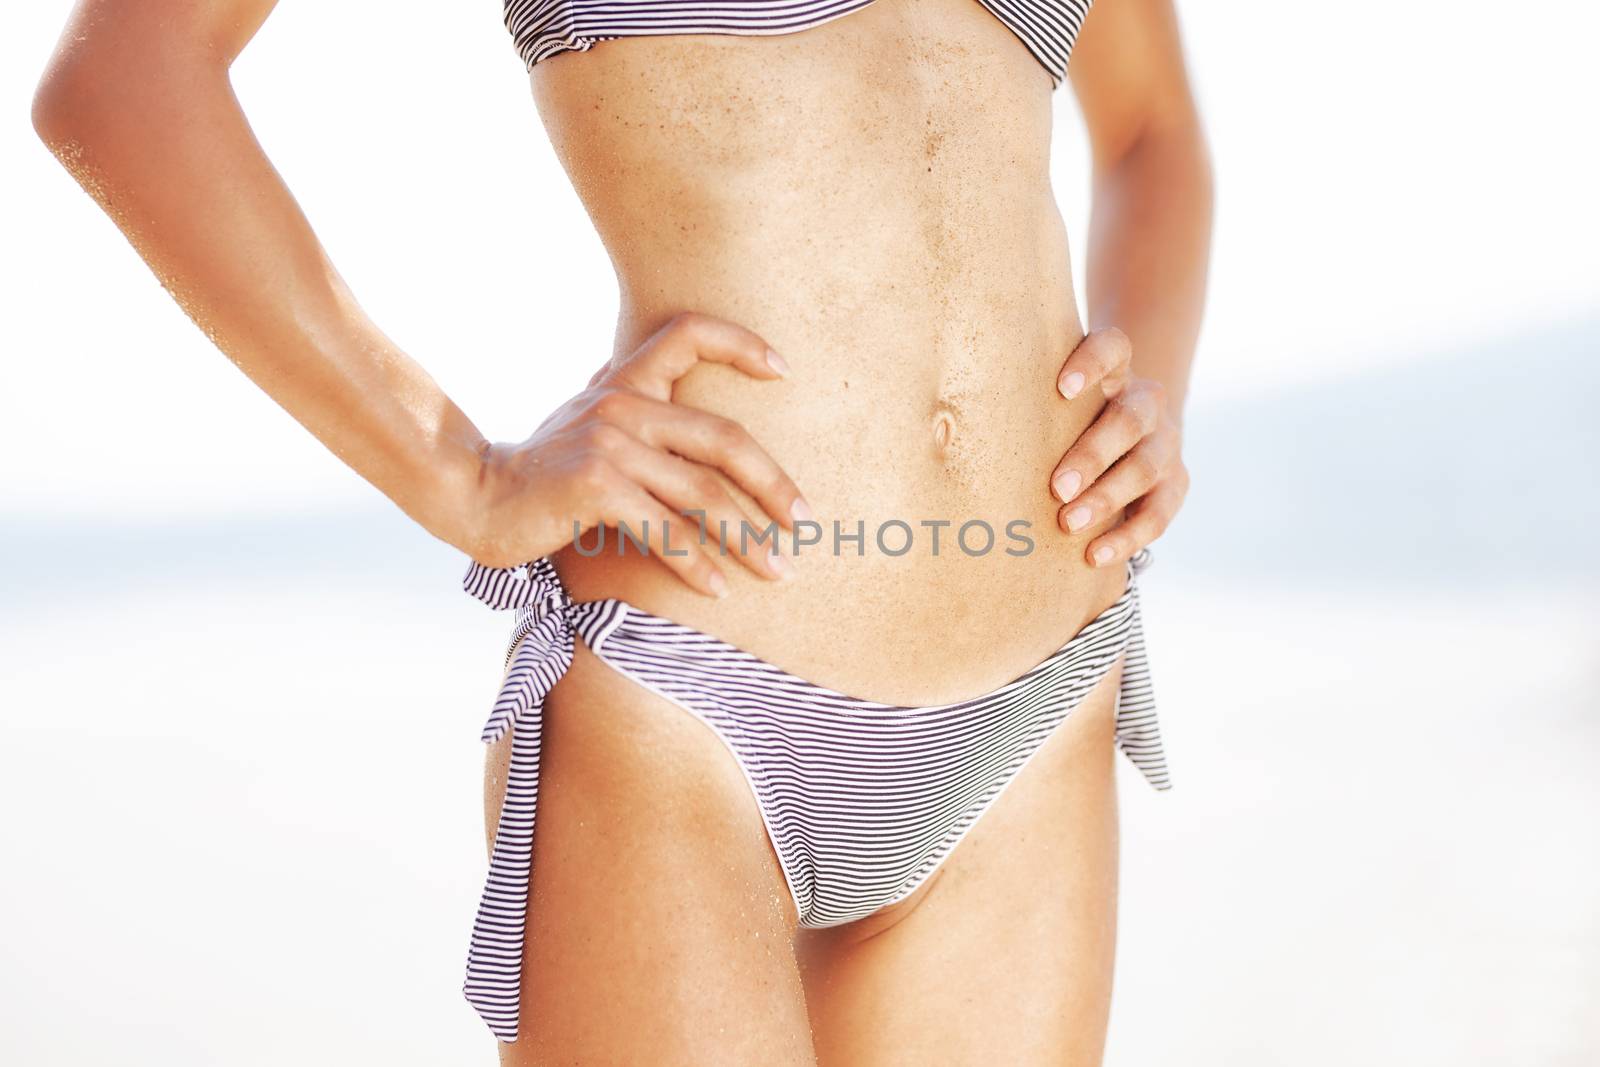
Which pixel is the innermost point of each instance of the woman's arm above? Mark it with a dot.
(1149, 245)
(137, 104)
(1150, 230)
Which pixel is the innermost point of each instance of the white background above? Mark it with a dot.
(240, 692)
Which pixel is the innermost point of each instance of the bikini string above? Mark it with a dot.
(541, 650)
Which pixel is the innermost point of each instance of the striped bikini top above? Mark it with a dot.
(542, 28)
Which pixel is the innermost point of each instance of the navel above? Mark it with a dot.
(944, 429)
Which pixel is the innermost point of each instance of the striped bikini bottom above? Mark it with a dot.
(861, 800)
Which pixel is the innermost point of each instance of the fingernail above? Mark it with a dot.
(1067, 484)
(1103, 554)
(1077, 519)
(777, 363)
(719, 584)
(1072, 384)
(780, 565)
(800, 511)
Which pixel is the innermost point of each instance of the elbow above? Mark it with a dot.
(70, 102)
(107, 87)
(54, 99)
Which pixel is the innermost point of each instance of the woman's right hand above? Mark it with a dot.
(622, 452)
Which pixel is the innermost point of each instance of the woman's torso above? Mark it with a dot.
(872, 196)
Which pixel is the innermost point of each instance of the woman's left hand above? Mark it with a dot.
(1128, 457)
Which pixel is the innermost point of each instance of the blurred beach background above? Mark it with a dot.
(240, 693)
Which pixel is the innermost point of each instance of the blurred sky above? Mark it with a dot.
(241, 693)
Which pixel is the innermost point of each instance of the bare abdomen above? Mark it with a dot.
(872, 196)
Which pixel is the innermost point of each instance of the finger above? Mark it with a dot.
(1129, 478)
(1102, 354)
(714, 441)
(1147, 519)
(710, 515)
(650, 521)
(1120, 426)
(689, 338)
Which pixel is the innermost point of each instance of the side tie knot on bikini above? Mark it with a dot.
(542, 644)
(541, 651)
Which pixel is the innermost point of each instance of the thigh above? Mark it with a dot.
(1008, 955)
(660, 930)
